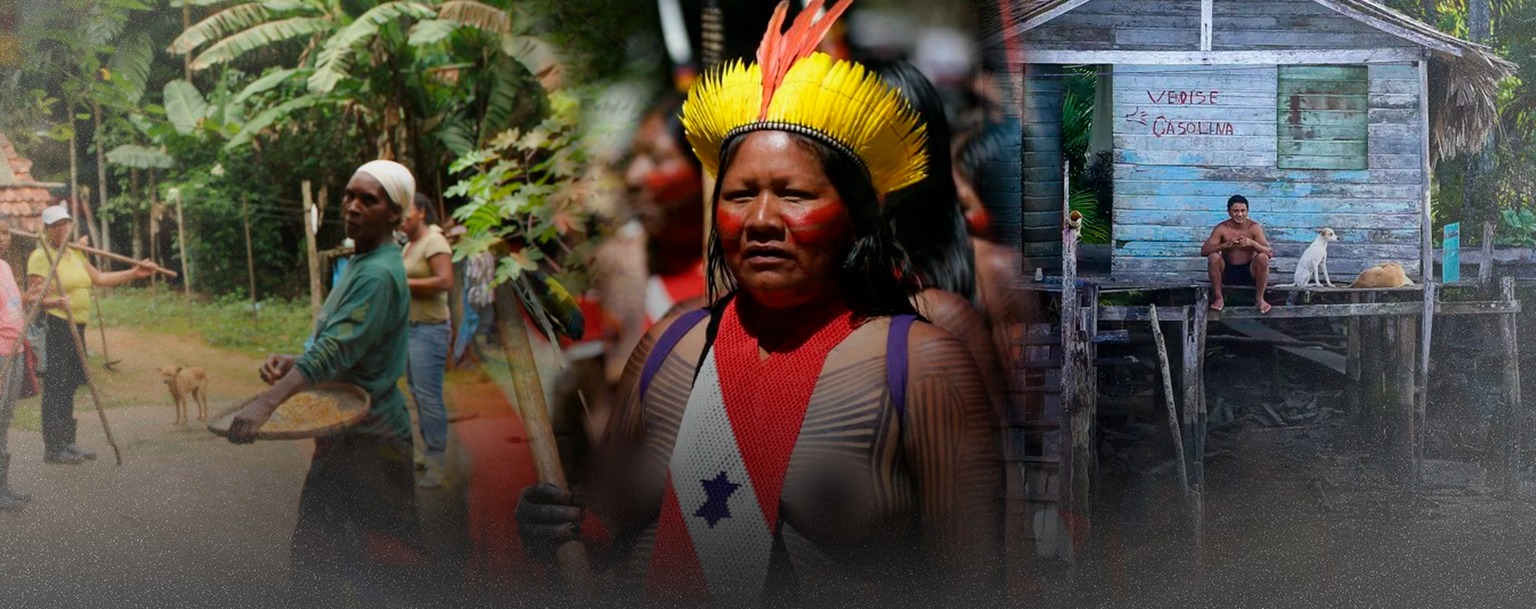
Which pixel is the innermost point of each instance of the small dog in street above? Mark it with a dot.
(1312, 269)
(1384, 275)
(187, 384)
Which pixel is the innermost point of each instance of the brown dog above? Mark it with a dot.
(184, 383)
(1384, 275)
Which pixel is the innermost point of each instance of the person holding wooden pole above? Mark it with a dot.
(780, 447)
(357, 526)
(69, 298)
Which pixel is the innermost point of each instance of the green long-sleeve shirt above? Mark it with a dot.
(361, 337)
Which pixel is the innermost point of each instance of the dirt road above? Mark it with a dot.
(190, 520)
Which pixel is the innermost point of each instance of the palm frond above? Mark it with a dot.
(259, 36)
(230, 20)
(476, 15)
(140, 157)
(129, 66)
(539, 56)
(184, 106)
(262, 121)
(335, 60)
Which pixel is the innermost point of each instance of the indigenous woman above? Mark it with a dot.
(784, 445)
(357, 525)
(65, 372)
(926, 218)
(429, 275)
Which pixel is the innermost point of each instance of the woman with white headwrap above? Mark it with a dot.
(357, 524)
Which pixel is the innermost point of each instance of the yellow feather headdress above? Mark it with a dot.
(794, 88)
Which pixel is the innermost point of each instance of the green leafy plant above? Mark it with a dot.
(1517, 228)
(525, 200)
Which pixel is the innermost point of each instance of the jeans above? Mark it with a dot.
(11, 388)
(424, 373)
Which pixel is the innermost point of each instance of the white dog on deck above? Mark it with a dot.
(1312, 269)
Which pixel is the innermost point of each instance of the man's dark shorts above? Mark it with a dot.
(1238, 274)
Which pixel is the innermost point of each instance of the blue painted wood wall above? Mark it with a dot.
(1172, 179)
(1171, 188)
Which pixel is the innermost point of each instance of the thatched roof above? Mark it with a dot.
(22, 199)
(1463, 81)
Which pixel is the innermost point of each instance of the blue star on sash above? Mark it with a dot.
(715, 507)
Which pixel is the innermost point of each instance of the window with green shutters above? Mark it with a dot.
(1324, 117)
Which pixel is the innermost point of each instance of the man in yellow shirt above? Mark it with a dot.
(64, 371)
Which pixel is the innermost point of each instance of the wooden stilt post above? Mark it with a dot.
(310, 227)
(1077, 394)
(1352, 361)
(1173, 411)
(1193, 419)
(1510, 411)
(1421, 384)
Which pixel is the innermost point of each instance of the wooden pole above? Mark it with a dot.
(1510, 407)
(250, 261)
(181, 244)
(315, 299)
(1077, 388)
(74, 334)
(74, 166)
(101, 252)
(1352, 360)
(1194, 410)
(1421, 384)
(528, 392)
(101, 180)
(1173, 410)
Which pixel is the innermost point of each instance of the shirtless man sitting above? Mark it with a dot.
(1238, 254)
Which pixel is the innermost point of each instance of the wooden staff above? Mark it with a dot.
(74, 334)
(103, 253)
(570, 557)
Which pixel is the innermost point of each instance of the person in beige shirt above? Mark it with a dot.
(429, 275)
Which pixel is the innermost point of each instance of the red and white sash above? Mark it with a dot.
(721, 508)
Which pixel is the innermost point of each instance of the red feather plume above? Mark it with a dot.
(780, 50)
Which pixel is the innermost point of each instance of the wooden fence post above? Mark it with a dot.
(1485, 266)
(186, 263)
(250, 261)
(311, 220)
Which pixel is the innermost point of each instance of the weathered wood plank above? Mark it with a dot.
(1326, 359)
(1197, 234)
(1349, 218)
(1085, 54)
(1264, 206)
(1363, 309)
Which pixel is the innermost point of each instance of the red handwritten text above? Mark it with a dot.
(1184, 97)
(1163, 126)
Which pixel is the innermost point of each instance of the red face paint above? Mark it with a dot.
(821, 224)
(676, 183)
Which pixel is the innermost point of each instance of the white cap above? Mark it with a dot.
(53, 214)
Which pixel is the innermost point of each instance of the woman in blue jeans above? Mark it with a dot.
(429, 274)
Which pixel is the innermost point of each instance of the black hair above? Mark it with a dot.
(428, 210)
(994, 153)
(669, 107)
(876, 278)
(926, 217)
(1235, 200)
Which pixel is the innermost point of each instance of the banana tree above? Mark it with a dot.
(365, 64)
